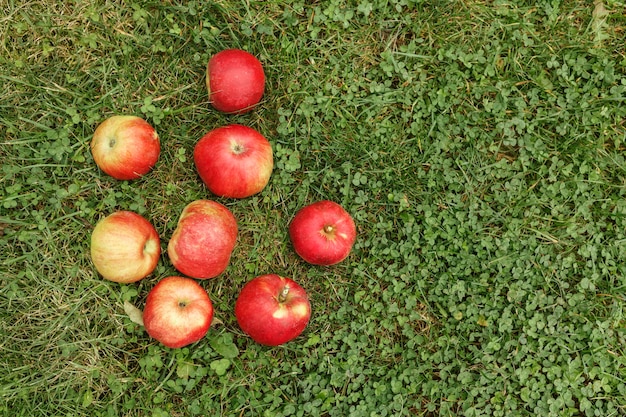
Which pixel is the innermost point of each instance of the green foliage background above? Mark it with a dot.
(479, 146)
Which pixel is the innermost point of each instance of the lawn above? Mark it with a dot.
(479, 146)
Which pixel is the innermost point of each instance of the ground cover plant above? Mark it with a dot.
(479, 146)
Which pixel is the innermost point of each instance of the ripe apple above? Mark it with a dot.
(204, 239)
(234, 161)
(125, 147)
(322, 233)
(125, 247)
(178, 312)
(272, 309)
(235, 80)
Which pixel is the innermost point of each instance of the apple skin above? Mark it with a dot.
(178, 312)
(125, 147)
(322, 233)
(235, 80)
(272, 309)
(234, 161)
(204, 239)
(125, 247)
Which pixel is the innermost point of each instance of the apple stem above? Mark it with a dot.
(238, 148)
(282, 297)
(328, 229)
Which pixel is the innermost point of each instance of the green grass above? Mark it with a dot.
(479, 146)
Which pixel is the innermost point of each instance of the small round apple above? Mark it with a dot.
(234, 161)
(272, 309)
(322, 233)
(204, 239)
(125, 247)
(235, 80)
(125, 147)
(178, 312)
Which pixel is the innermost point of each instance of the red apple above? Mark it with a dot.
(178, 312)
(204, 239)
(125, 147)
(272, 309)
(125, 247)
(322, 233)
(235, 80)
(234, 161)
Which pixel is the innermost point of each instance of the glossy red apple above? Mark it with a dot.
(125, 247)
(204, 239)
(235, 80)
(322, 233)
(125, 147)
(178, 312)
(234, 161)
(272, 309)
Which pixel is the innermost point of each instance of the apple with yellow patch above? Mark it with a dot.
(125, 147)
(272, 309)
(125, 247)
(178, 312)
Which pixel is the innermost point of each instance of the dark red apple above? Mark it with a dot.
(235, 80)
(234, 161)
(178, 312)
(272, 309)
(322, 233)
(204, 239)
